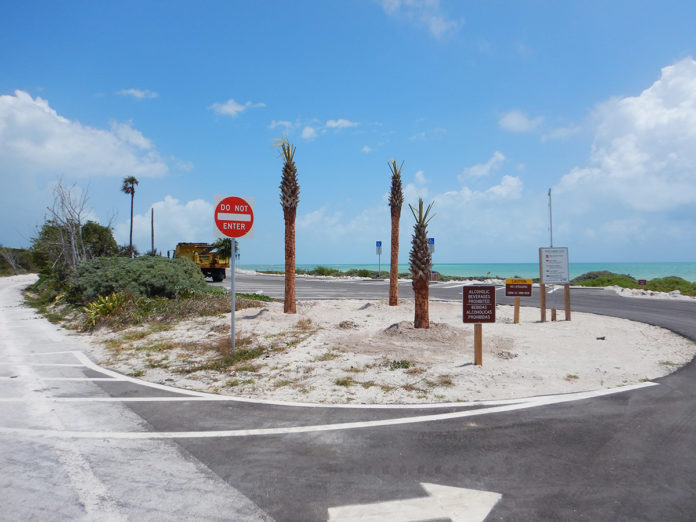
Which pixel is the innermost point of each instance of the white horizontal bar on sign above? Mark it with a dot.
(233, 217)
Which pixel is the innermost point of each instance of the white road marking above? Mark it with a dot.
(456, 504)
(36, 365)
(81, 379)
(531, 403)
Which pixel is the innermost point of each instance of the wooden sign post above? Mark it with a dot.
(478, 307)
(553, 270)
(518, 288)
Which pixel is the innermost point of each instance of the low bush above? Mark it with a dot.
(141, 277)
(668, 284)
(605, 278)
(121, 310)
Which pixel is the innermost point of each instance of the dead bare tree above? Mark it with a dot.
(67, 215)
(10, 257)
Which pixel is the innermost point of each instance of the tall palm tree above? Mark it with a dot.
(128, 187)
(396, 200)
(289, 198)
(421, 263)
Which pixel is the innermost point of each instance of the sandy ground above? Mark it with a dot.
(360, 351)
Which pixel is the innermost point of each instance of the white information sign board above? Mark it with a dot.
(554, 266)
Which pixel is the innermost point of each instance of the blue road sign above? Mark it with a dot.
(379, 243)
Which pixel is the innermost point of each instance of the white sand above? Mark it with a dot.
(345, 351)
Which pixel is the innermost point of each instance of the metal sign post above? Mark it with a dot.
(431, 248)
(379, 258)
(233, 298)
(233, 217)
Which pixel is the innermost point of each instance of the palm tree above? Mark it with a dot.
(421, 263)
(128, 187)
(289, 198)
(396, 200)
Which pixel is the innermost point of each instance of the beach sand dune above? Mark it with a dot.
(357, 351)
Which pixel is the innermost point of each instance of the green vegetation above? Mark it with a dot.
(17, 261)
(661, 284)
(141, 277)
(398, 365)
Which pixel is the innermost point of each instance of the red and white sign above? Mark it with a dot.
(234, 217)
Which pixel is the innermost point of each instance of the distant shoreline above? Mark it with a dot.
(652, 270)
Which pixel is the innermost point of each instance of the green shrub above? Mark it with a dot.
(141, 277)
(668, 284)
(324, 271)
(606, 279)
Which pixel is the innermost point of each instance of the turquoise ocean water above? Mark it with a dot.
(525, 270)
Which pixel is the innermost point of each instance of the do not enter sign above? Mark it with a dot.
(234, 217)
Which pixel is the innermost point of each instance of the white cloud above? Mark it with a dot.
(340, 124)
(175, 222)
(484, 169)
(281, 123)
(309, 133)
(35, 139)
(561, 133)
(232, 108)
(510, 187)
(428, 135)
(643, 155)
(139, 94)
(517, 121)
(129, 135)
(420, 178)
(424, 13)
(366, 149)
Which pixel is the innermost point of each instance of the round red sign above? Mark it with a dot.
(234, 217)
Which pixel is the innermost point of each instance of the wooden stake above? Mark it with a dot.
(517, 310)
(553, 314)
(542, 290)
(478, 345)
(566, 298)
(542, 302)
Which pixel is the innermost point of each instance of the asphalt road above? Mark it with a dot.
(621, 456)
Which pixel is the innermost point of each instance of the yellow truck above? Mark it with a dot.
(210, 262)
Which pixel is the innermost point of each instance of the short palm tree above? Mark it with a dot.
(289, 198)
(396, 200)
(128, 187)
(421, 263)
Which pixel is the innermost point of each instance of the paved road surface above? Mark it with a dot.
(624, 456)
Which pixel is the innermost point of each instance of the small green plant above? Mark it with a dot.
(328, 356)
(668, 363)
(571, 377)
(345, 381)
(104, 307)
(398, 365)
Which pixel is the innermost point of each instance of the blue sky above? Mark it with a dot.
(489, 104)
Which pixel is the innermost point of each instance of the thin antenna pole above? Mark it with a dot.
(152, 229)
(550, 219)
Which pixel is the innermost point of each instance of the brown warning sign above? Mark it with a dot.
(479, 304)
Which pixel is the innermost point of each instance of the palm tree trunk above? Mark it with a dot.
(289, 306)
(394, 262)
(421, 289)
(130, 244)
